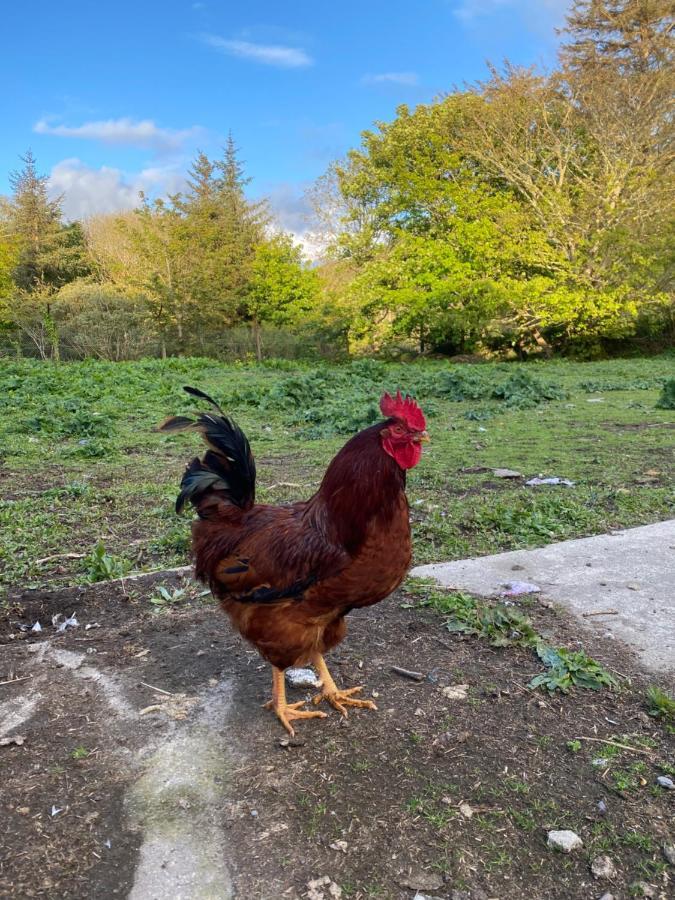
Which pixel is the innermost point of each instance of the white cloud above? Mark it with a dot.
(407, 79)
(267, 54)
(87, 191)
(294, 214)
(143, 133)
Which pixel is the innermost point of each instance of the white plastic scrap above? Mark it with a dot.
(70, 622)
(36, 627)
(515, 588)
(55, 811)
(534, 482)
(302, 678)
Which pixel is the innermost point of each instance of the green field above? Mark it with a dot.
(81, 463)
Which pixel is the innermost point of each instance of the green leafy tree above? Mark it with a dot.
(281, 290)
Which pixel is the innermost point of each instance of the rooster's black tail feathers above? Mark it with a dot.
(227, 469)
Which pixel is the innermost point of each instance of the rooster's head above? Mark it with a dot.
(404, 431)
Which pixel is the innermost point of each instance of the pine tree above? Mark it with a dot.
(35, 221)
(630, 36)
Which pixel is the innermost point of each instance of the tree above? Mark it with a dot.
(282, 290)
(218, 230)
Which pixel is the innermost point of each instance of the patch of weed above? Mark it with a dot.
(103, 566)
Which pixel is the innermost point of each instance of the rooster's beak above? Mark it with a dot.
(422, 438)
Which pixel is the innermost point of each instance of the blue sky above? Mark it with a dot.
(117, 97)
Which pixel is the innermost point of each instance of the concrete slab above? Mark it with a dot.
(632, 572)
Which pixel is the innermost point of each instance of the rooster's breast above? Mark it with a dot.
(376, 569)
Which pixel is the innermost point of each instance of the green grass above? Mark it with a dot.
(82, 465)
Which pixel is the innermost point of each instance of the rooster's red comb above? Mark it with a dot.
(405, 408)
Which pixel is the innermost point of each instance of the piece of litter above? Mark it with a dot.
(602, 807)
(302, 678)
(466, 810)
(665, 782)
(340, 846)
(599, 762)
(17, 739)
(535, 482)
(55, 811)
(515, 588)
(69, 622)
(107, 844)
(506, 473)
(36, 627)
(91, 625)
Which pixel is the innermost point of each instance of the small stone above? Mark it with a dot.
(466, 810)
(25, 811)
(665, 782)
(340, 846)
(419, 711)
(633, 586)
(423, 881)
(455, 691)
(603, 867)
(506, 473)
(607, 897)
(602, 808)
(323, 888)
(565, 841)
(668, 851)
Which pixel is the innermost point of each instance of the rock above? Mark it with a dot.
(602, 807)
(668, 852)
(420, 880)
(603, 867)
(607, 897)
(506, 473)
(466, 810)
(665, 782)
(455, 691)
(323, 888)
(565, 841)
(341, 846)
(634, 586)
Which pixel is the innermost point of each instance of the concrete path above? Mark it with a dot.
(632, 572)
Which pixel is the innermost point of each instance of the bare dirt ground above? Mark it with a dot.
(439, 793)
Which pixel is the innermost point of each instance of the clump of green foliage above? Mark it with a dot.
(570, 668)
(506, 626)
(104, 566)
(661, 704)
(165, 598)
(667, 398)
(522, 390)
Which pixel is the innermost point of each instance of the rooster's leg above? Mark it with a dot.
(330, 691)
(287, 711)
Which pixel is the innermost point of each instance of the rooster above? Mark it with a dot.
(288, 575)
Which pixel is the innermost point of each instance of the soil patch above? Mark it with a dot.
(430, 792)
